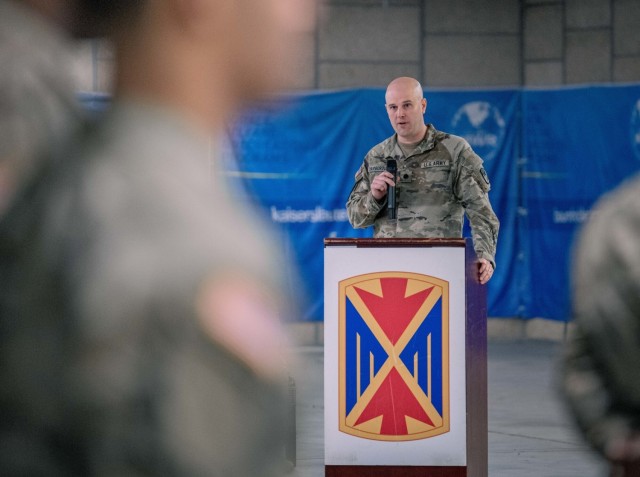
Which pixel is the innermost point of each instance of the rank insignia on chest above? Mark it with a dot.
(405, 176)
(394, 356)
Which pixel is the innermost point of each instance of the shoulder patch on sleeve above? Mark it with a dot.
(482, 179)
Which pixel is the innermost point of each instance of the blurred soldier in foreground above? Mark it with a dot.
(601, 375)
(439, 179)
(142, 334)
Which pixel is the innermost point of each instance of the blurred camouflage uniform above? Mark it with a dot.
(38, 107)
(440, 180)
(107, 368)
(601, 374)
(38, 115)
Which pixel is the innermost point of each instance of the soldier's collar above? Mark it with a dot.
(427, 143)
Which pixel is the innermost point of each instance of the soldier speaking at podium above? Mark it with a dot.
(420, 181)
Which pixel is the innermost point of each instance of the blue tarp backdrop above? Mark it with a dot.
(578, 144)
(549, 154)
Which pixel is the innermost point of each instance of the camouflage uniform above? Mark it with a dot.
(38, 107)
(39, 113)
(107, 368)
(435, 185)
(601, 374)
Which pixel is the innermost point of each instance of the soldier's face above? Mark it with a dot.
(406, 109)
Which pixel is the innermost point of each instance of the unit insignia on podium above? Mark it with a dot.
(394, 356)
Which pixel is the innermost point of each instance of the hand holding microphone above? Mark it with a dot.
(381, 183)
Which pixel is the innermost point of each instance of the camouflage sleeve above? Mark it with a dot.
(36, 117)
(586, 394)
(600, 374)
(472, 188)
(362, 207)
(22, 128)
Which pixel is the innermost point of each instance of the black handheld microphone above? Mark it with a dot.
(392, 166)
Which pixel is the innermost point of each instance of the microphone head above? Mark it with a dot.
(392, 166)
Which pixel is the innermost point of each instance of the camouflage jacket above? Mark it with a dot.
(601, 376)
(107, 363)
(435, 186)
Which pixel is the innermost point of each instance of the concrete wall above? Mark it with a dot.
(453, 43)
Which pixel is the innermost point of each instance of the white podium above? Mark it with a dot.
(405, 377)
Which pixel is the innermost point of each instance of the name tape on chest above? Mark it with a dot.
(379, 168)
(434, 163)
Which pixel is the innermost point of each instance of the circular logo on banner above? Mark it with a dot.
(635, 129)
(482, 125)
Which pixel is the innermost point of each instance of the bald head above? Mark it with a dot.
(206, 58)
(404, 86)
(406, 107)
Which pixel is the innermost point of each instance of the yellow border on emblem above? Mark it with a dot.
(416, 281)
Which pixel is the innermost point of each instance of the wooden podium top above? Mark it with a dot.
(394, 242)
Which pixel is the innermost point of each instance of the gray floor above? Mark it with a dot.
(529, 433)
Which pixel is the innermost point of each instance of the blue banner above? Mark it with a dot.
(550, 154)
(488, 120)
(300, 163)
(578, 143)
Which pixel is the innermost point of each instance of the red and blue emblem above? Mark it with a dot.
(394, 356)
